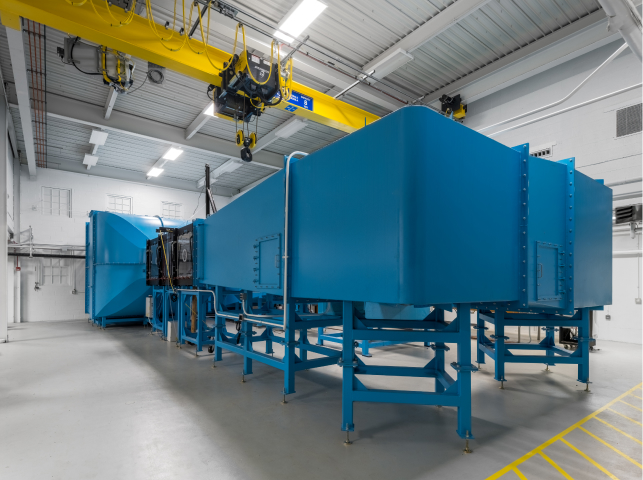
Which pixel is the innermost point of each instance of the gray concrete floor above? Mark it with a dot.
(77, 402)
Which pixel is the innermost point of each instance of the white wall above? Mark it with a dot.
(588, 134)
(9, 188)
(54, 302)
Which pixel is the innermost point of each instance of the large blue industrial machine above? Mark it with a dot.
(420, 215)
(115, 266)
(417, 210)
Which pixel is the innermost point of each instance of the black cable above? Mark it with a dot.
(71, 56)
(141, 85)
(197, 202)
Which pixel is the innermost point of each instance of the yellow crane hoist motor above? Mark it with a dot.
(453, 106)
(249, 84)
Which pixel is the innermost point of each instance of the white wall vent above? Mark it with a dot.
(628, 120)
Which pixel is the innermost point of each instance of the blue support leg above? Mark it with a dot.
(246, 335)
(303, 339)
(269, 349)
(201, 308)
(479, 353)
(364, 345)
(464, 373)
(583, 345)
(289, 353)
(440, 349)
(219, 327)
(500, 346)
(348, 370)
(320, 332)
(549, 342)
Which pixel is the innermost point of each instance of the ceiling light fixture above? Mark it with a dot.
(282, 36)
(172, 153)
(98, 137)
(209, 110)
(154, 172)
(301, 16)
(90, 160)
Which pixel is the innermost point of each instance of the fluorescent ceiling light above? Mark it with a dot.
(290, 129)
(300, 16)
(209, 110)
(90, 160)
(98, 137)
(282, 36)
(172, 153)
(390, 63)
(154, 172)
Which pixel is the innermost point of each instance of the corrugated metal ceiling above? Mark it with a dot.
(356, 30)
(497, 29)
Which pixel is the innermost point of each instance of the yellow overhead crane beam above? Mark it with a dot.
(138, 39)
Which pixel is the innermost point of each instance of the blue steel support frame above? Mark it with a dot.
(296, 348)
(169, 310)
(157, 323)
(364, 345)
(501, 352)
(204, 334)
(433, 329)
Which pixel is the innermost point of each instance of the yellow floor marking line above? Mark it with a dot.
(560, 436)
(625, 416)
(521, 475)
(600, 467)
(615, 449)
(640, 398)
(618, 430)
(556, 466)
(630, 405)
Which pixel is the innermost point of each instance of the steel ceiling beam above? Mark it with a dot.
(198, 122)
(92, 115)
(293, 124)
(518, 55)
(430, 29)
(138, 39)
(109, 103)
(19, 65)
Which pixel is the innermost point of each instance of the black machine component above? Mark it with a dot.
(153, 259)
(161, 255)
(248, 85)
(210, 207)
(453, 105)
(569, 336)
(185, 255)
(251, 75)
(628, 214)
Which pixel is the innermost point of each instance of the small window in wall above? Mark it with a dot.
(54, 271)
(119, 204)
(171, 210)
(628, 120)
(55, 201)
